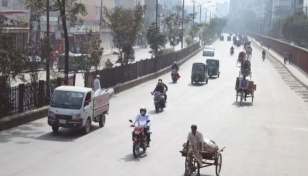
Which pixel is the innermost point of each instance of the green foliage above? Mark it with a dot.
(168, 50)
(295, 28)
(12, 59)
(194, 30)
(213, 29)
(174, 28)
(126, 24)
(69, 12)
(189, 40)
(92, 46)
(156, 39)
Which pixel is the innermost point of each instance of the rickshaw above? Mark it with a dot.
(244, 88)
(76, 62)
(222, 38)
(199, 73)
(213, 67)
(208, 159)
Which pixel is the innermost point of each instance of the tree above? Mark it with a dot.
(126, 24)
(92, 46)
(295, 28)
(156, 39)
(69, 11)
(12, 61)
(174, 23)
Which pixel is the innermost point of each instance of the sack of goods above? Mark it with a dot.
(210, 146)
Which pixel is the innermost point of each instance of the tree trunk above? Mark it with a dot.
(62, 13)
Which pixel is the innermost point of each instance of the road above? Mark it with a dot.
(268, 137)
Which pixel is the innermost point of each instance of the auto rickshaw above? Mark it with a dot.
(131, 56)
(213, 67)
(222, 38)
(229, 38)
(76, 62)
(199, 73)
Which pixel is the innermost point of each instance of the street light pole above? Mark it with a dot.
(182, 26)
(193, 13)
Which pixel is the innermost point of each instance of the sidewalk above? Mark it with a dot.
(297, 72)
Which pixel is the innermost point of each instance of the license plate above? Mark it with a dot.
(61, 121)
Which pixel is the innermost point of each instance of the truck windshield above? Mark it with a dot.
(67, 99)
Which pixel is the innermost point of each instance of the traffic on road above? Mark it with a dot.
(264, 137)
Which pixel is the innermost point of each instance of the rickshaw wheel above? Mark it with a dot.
(102, 120)
(242, 96)
(188, 169)
(218, 163)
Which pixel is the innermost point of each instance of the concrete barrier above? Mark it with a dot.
(28, 116)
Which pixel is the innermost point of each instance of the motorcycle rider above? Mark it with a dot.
(232, 50)
(141, 120)
(161, 88)
(175, 67)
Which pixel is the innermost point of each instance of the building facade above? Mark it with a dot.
(15, 20)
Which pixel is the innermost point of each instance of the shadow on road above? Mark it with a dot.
(244, 104)
(196, 85)
(131, 158)
(213, 78)
(65, 135)
(27, 131)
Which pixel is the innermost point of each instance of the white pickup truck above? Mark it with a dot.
(77, 107)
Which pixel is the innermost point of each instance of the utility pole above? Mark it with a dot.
(200, 13)
(48, 52)
(156, 43)
(101, 15)
(193, 13)
(182, 26)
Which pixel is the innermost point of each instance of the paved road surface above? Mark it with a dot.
(268, 137)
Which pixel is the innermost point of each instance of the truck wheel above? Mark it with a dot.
(55, 129)
(102, 120)
(87, 127)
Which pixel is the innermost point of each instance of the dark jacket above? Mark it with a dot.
(161, 87)
(175, 67)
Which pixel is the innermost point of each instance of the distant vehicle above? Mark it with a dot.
(209, 51)
(229, 38)
(35, 62)
(222, 38)
(199, 73)
(213, 67)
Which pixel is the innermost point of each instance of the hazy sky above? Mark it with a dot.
(189, 2)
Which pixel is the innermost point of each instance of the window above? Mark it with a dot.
(5, 3)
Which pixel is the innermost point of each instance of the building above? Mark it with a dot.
(15, 20)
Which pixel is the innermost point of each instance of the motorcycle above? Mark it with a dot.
(174, 75)
(159, 101)
(140, 140)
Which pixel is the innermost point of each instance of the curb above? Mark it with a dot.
(302, 83)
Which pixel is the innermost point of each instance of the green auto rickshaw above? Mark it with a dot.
(199, 73)
(131, 56)
(213, 67)
(76, 62)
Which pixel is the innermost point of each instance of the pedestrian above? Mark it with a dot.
(285, 57)
(290, 57)
(268, 46)
(97, 83)
(108, 64)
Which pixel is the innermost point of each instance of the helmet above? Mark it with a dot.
(174, 62)
(97, 76)
(160, 80)
(143, 109)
